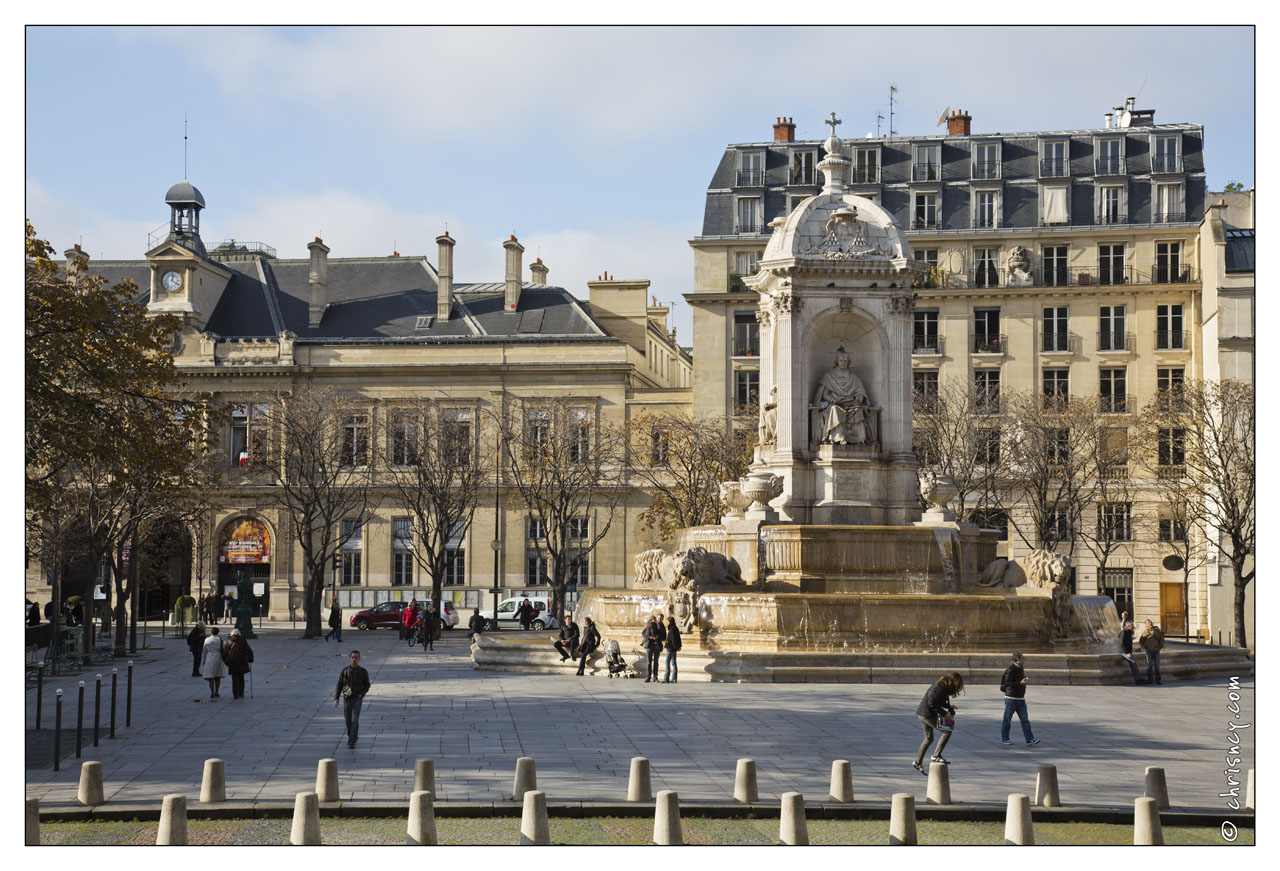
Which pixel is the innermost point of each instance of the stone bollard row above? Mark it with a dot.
(793, 830)
(327, 780)
(172, 831)
(1047, 787)
(306, 820)
(534, 828)
(1156, 788)
(213, 784)
(91, 791)
(33, 822)
(666, 819)
(744, 782)
(526, 778)
(1018, 829)
(902, 820)
(1146, 823)
(939, 789)
(841, 781)
(639, 787)
(422, 820)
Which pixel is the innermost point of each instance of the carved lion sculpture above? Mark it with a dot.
(1042, 569)
(686, 573)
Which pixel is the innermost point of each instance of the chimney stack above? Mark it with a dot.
(784, 130)
(1106, 120)
(512, 297)
(444, 288)
(539, 271)
(958, 123)
(319, 280)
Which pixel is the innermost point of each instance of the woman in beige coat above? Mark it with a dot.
(212, 667)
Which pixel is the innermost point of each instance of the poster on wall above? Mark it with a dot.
(244, 541)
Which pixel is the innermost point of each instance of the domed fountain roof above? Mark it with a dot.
(184, 193)
(837, 226)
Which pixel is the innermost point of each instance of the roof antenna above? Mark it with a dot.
(1144, 84)
(184, 144)
(893, 89)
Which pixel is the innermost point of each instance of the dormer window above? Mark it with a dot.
(1110, 158)
(986, 160)
(1165, 156)
(751, 169)
(802, 167)
(748, 214)
(927, 166)
(866, 166)
(1053, 159)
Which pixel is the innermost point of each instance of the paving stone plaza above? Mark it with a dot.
(583, 732)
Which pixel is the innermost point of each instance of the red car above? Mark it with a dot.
(388, 614)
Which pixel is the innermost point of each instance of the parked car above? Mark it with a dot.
(388, 614)
(542, 616)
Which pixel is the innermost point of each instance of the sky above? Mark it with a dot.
(593, 145)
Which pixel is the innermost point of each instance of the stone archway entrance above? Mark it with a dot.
(244, 550)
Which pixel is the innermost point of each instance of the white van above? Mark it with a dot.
(543, 618)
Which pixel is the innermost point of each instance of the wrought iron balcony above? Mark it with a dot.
(987, 343)
(923, 223)
(986, 276)
(750, 178)
(1109, 166)
(1180, 274)
(866, 174)
(1166, 163)
(1086, 275)
(1171, 472)
(1115, 403)
(926, 345)
(1106, 218)
(1168, 218)
(983, 169)
(981, 222)
(1056, 276)
(1055, 168)
(1175, 340)
(1115, 340)
(750, 226)
(1055, 342)
(746, 346)
(926, 172)
(1116, 472)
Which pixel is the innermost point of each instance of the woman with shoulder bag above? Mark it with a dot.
(935, 712)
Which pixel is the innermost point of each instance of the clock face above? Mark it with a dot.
(171, 280)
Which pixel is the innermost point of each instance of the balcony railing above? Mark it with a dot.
(1166, 163)
(1168, 218)
(922, 223)
(751, 226)
(738, 285)
(1171, 472)
(926, 172)
(986, 343)
(1054, 168)
(984, 169)
(1109, 166)
(1056, 342)
(1115, 340)
(986, 276)
(981, 222)
(1086, 275)
(1115, 403)
(802, 176)
(1115, 472)
(1179, 274)
(746, 346)
(1171, 340)
(926, 345)
(1109, 218)
(750, 178)
(866, 174)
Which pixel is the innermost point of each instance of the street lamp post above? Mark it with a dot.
(496, 544)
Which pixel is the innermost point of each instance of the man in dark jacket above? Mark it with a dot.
(525, 613)
(1126, 648)
(195, 643)
(1152, 642)
(590, 641)
(654, 637)
(476, 624)
(673, 647)
(1013, 683)
(567, 646)
(353, 683)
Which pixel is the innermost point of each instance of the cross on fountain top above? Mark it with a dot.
(832, 122)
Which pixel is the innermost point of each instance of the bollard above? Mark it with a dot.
(638, 785)
(173, 822)
(306, 820)
(939, 789)
(1156, 787)
(526, 778)
(422, 819)
(1248, 792)
(666, 819)
(424, 776)
(902, 820)
(534, 830)
(112, 733)
(57, 735)
(841, 781)
(80, 721)
(793, 830)
(327, 780)
(33, 822)
(1047, 787)
(213, 784)
(128, 699)
(39, 693)
(97, 708)
(90, 792)
(1017, 822)
(1146, 823)
(744, 782)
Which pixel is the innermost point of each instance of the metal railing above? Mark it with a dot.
(232, 246)
(1055, 168)
(748, 227)
(1055, 276)
(986, 276)
(1115, 403)
(1168, 218)
(1166, 163)
(919, 223)
(983, 221)
(1107, 219)
(926, 345)
(1115, 340)
(1109, 166)
(746, 347)
(926, 172)
(1180, 274)
(1115, 472)
(866, 174)
(983, 169)
(988, 343)
(1086, 275)
(1056, 342)
(1171, 340)
(1170, 472)
(750, 178)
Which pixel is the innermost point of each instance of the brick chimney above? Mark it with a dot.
(512, 297)
(784, 130)
(319, 281)
(958, 123)
(76, 258)
(444, 287)
(539, 271)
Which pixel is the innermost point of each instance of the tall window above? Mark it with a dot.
(746, 389)
(1111, 264)
(1115, 451)
(455, 431)
(579, 435)
(927, 166)
(404, 439)
(659, 446)
(1114, 521)
(352, 549)
(535, 530)
(751, 171)
(579, 571)
(1058, 524)
(1111, 328)
(1169, 334)
(1058, 446)
(984, 209)
(1054, 205)
(1056, 331)
(1165, 158)
(579, 529)
(1111, 389)
(1169, 263)
(924, 338)
(248, 433)
(986, 391)
(1172, 529)
(745, 262)
(1056, 390)
(986, 330)
(924, 383)
(1111, 205)
(1053, 259)
(536, 574)
(986, 267)
(988, 447)
(986, 160)
(746, 335)
(1169, 386)
(1171, 446)
(355, 440)
(455, 567)
(802, 167)
(1168, 204)
(537, 432)
(748, 214)
(401, 552)
(1054, 162)
(926, 211)
(866, 166)
(1109, 161)
(1118, 584)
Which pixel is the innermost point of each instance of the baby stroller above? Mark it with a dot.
(613, 658)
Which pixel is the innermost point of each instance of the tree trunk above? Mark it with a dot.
(314, 603)
(133, 592)
(1241, 587)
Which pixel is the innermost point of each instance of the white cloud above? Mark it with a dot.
(103, 235)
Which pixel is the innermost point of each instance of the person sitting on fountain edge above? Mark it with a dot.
(567, 646)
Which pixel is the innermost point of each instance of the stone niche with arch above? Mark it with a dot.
(244, 544)
(864, 341)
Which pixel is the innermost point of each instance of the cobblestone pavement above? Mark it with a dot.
(583, 732)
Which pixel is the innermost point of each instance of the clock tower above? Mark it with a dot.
(184, 281)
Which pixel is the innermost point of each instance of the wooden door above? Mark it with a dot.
(1173, 610)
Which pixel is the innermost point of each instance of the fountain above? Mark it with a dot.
(824, 568)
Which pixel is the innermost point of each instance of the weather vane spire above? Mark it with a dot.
(184, 145)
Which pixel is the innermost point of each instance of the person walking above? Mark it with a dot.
(212, 666)
(195, 643)
(1013, 683)
(237, 655)
(654, 636)
(429, 620)
(409, 620)
(353, 683)
(567, 646)
(1152, 642)
(229, 606)
(673, 647)
(935, 705)
(1126, 650)
(335, 621)
(525, 613)
(590, 641)
(475, 625)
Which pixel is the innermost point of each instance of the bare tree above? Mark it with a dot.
(319, 461)
(568, 470)
(959, 432)
(681, 461)
(1107, 465)
(437, 467)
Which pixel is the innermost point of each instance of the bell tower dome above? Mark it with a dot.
(185, 202)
